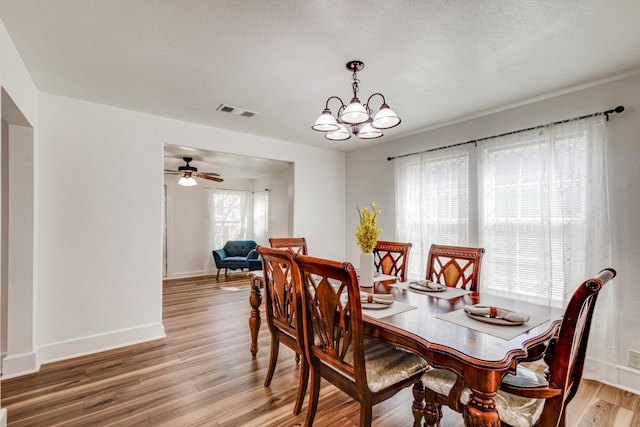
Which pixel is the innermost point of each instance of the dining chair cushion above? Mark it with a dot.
(514, 410)
(386, 364)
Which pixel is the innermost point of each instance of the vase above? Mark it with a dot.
(366, 269)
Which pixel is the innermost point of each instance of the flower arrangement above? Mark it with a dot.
(367, 230)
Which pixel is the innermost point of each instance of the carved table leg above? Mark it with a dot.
(481, 410)
(255, 299)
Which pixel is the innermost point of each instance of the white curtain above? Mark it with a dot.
(543, 211)
(432, 202)
(544, 222)
(261, 217)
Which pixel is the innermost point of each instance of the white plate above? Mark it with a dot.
(375, 306)
(423, 288)
(493, 320)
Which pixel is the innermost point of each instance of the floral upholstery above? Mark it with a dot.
(514, 410)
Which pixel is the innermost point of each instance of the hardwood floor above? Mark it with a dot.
(202, 374)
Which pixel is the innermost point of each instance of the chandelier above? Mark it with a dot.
(355, 117)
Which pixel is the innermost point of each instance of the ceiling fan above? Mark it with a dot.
(189, 172)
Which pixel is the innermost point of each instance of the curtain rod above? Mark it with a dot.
(618, 109)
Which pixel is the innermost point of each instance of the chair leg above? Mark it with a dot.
(302, 386)
(432, 410)
(314, 393)
(418, 403)
(218, 275)
(273, 359)
(366, 414)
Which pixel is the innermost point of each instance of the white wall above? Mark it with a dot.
(370, 177)
(100, 217)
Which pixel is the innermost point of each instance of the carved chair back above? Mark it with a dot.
(283, 311)
(455, 266)
(392, 258)
(565, 354)
(297, 244)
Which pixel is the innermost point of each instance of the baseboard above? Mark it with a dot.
(187, 274)
(101, 342)
(622, 377)
(15, 365)
(3, 417)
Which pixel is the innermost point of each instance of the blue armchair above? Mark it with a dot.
(237, 254)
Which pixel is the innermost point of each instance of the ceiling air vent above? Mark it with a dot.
(235, 110)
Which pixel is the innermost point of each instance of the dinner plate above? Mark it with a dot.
(423, 288)
(493, 320)
(375, 305)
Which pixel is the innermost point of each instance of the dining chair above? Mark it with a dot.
(526, 398)
(337, 350)
(455, 266)
(283, 313)
(296, 244)
(392, 258)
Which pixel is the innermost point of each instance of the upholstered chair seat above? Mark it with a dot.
(514, 410)
(387, 365)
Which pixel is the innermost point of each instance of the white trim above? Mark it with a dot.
(100, 342)
(185, 274)
(3, 417)
(622, 377)
(15, 365)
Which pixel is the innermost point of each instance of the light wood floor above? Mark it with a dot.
(202, 374)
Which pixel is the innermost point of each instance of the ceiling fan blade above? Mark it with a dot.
(173, 172)
(210, 173)
(211, 178)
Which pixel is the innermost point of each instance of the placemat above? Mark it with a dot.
(395, 308)
(450, 293)
(459, 317)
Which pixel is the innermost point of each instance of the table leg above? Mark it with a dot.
(255, 299)
(481, 410)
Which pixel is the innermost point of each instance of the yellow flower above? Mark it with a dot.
(367, 230)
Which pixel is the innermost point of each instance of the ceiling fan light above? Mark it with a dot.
(326, 122)
(355, 113)
(386, 118)
(369, 132)
(338, 135)
(187, 181)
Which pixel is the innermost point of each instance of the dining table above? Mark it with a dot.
(435, 325)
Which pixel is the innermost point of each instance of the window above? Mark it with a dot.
(541, 208)
(229, 215)
(432, 202)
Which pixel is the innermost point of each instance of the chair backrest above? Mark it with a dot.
(332, 316)
(239, 247)
(392, 258)
(297, 244)
(455, 266)
(282, 303)
(566, 353)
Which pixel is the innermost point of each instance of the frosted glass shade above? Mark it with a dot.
(355, 113)
(326, 122)
(187, 181)
(338, 135)
(385, 118)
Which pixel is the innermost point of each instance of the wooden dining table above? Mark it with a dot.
(427, 326)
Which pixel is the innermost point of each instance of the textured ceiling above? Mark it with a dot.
(436, 62)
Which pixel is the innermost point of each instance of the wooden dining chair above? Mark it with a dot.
(455, 266)
(391, 258)
(526, 398)
(283, 312)
(297, 244)
(368, 370)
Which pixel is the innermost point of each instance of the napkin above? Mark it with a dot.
(429, 285)
(386, 299)
(495, 312)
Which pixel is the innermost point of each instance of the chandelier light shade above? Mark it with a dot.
(356, 119)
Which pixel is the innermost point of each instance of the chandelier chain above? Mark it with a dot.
(354, 85)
